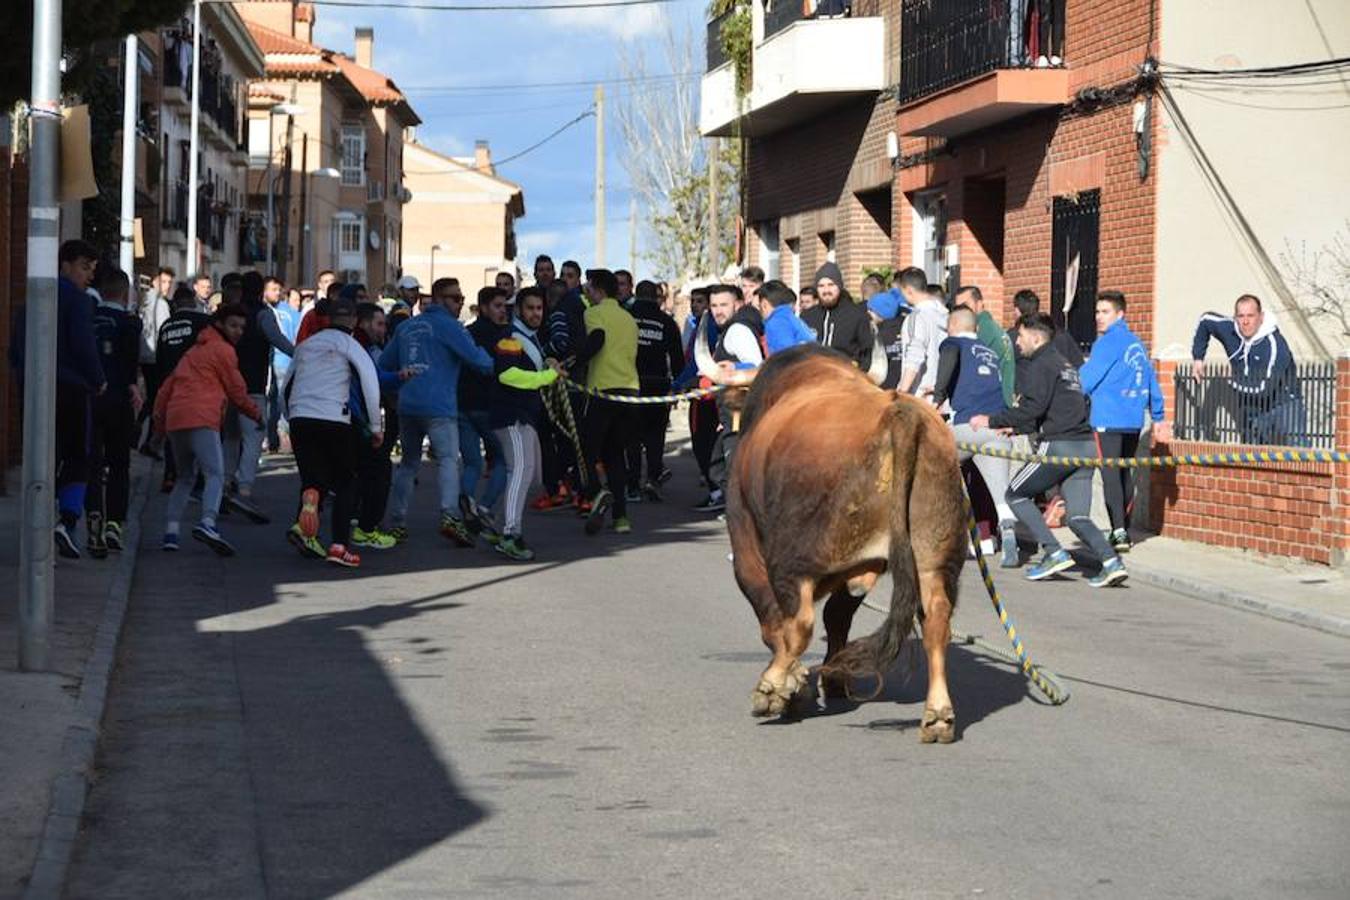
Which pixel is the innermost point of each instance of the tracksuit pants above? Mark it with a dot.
(114, 427)
(605, 438)
(1118, 484)
(1075, 485)
(197, 451)
(72, 451)
(243, 443)
(520, 447)
(703, 433)
(374, 475)
(325, 453)
(723, 449)
(994, 471)
(650, 422)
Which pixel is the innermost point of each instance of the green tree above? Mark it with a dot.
(83, 24)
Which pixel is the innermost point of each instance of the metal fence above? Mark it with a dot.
(946, 42)
(1300, 412)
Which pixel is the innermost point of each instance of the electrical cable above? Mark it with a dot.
(1262, 72)
(515, 156)
(458, 7)
(586, 83)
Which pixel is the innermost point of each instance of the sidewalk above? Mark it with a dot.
(1306, 594)
(51, 719)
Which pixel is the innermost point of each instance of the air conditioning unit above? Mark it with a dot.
(350, 276)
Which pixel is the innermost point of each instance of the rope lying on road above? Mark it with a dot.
(1045, 681)
(696, 394)
(1163, 462)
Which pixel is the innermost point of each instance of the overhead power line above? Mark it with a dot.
(515, 156)
(522, 86)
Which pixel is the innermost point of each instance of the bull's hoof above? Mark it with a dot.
(938, 726)
(774, 699)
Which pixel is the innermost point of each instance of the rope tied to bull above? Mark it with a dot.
(651, 399)
(1042, 678)
(1260, 457)
(559, 410)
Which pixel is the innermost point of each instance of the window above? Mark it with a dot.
(930, 229)
(349, 236)
(768, 248)
(259, 142)
(827, 242)
(794, 274)
(353, 155)
(1073, 264)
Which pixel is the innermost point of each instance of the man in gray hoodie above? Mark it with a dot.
(921, 336)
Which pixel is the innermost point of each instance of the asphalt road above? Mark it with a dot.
(443, 724)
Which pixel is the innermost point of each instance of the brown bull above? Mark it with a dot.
(833, 483)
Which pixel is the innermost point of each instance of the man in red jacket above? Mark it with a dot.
(190, 408)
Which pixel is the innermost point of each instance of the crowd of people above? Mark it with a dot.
(207, 377)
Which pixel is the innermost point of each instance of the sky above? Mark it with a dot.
(473, 76)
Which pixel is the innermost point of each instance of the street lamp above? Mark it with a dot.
(325, 172)
(434, 248)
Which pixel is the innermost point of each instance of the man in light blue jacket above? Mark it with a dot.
(1120, 382)
(432, 346)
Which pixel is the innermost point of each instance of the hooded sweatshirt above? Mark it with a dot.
(1262, 364)
(921, 338)
(518, 359)
(436, 345)
(1119, 380)
(320, 380)
(203, 383)
(845, 326)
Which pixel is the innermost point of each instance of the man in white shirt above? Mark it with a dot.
(319, 397)
(741, 326)
(921, 336)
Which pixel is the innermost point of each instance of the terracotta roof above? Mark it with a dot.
(265, 91)
(375, 87)
(272, 41)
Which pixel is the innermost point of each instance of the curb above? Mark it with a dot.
(70, 789)
(1222, 596)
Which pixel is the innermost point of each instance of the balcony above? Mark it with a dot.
(963, 67)
(802, 68)
(175, 211)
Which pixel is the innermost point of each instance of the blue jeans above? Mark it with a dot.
(444, 435)
(475, 426)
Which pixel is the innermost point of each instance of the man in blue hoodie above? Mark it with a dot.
(1270, 407)
(79, 378)
(1120, 382)
(432, 347)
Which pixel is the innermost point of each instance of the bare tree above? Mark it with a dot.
(1321, 279)
(665, 157)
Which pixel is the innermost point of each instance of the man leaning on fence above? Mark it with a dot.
(1268, 404)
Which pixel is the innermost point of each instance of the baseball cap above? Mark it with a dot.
(410, 283)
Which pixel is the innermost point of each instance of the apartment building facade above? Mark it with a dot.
(339, 205)
(460, 222)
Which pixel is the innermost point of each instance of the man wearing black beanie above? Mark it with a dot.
(838, 321)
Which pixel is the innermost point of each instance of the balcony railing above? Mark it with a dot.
(175, 207)
(716, 55)
(782, 13)
(946, 42)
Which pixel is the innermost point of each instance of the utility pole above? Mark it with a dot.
(304, 206)
(714, 232)
(284, 231)
(632, 235)
(599, 175)
(36, 572)
(192, 135)
(127, 248)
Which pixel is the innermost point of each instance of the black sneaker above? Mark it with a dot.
(65, 544)
(468, 511)
(633, 494)
(665, 476)
(595, 519)
(1120, 541)
(650, 491)
(112, 536)
(250, 509)
(716, 501)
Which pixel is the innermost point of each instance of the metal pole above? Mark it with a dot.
(127, 256)
(284, 230)
(304, 212)
(192, 136)
(599, 175)
(36, 575)
(714, 233)
(433, 266)
(271, 233)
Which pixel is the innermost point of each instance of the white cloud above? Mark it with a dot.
(630, 22)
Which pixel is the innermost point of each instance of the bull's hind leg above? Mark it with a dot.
(939, 721)
(786, 680)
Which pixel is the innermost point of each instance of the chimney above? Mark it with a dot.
(365, 46)
(482, 157)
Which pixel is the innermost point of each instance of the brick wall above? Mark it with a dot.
(1288, 509)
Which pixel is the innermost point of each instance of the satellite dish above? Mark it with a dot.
(374, 239)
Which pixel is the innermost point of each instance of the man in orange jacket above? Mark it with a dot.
(190, 408)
